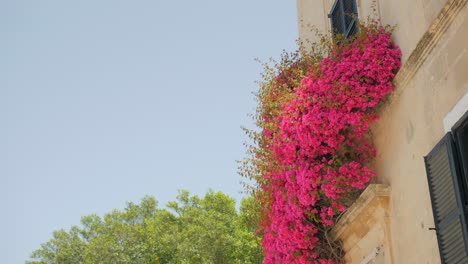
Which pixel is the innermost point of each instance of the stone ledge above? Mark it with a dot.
(371, 193)
(427, 43)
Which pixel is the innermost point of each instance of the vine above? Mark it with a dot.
(314, 112)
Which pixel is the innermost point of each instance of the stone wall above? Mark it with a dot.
(428, 86)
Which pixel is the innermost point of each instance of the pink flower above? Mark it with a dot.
(319, 145)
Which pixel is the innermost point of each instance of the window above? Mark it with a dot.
(447, 174)
(343, 18)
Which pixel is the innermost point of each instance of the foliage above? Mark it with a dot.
(314, 113)
(189, 230)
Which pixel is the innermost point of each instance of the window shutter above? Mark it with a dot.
(337, 18)
(343, 18)
(350, 16)
(449, 212)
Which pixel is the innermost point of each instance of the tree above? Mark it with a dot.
(190, 230)
(247, 232)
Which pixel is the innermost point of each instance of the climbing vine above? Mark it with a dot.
(311, 153)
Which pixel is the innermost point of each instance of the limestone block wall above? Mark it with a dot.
(430, 83)
(412, 18)
(310, 13)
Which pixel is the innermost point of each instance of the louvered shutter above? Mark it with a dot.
(350, 16)
(343, 17)
(449, 212)
(337, 18)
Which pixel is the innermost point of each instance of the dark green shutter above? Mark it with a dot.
(337, 18)
(449, 213)
(343, 18)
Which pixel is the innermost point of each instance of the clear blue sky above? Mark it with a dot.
(106, 101)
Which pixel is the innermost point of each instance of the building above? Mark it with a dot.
(417, 212)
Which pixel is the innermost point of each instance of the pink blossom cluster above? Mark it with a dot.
(322, 146)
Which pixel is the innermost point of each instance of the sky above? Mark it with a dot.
(105, 101)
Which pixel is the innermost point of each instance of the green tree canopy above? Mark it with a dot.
(193, 230)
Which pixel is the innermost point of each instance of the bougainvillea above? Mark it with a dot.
(315, 113)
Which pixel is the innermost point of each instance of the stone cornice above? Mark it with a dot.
(427, 43)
